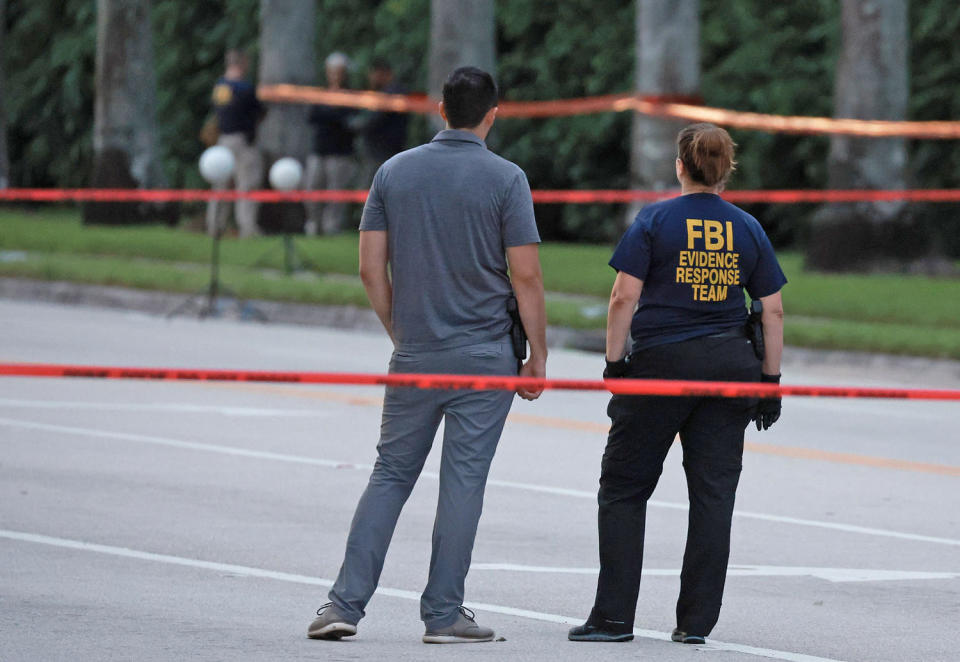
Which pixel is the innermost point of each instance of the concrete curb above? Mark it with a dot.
(844, 365)
(161, 303)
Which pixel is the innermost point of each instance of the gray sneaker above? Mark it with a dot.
(464, 631)
(329, 624)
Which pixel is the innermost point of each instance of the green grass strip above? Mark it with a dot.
(902, 314)
(151, 275)
(60, 231)
(902, 339)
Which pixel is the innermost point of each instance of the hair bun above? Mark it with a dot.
(706, 151)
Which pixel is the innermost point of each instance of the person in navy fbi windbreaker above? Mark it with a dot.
(682, 269)
(238, 113)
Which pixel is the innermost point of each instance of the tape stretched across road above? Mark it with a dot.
(540, 196)
(645, 105)
(478, 382)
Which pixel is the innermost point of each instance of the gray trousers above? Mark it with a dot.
(329, 172)
(473, 421)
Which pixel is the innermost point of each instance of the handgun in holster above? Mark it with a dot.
(518, 336)
(754, 327)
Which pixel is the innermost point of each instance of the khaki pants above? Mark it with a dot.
(247, 176)
(328, 173)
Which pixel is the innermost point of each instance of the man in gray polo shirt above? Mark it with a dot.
(441, 226)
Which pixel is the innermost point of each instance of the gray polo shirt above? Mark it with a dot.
(450, 208)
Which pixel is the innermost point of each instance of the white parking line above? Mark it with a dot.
(836, 575)
(260, 573)
(185, 408)
(545, 489)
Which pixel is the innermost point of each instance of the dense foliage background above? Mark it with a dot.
(757, 56)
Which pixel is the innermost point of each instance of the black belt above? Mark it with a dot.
(735, 332)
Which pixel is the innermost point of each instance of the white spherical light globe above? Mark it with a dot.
(216, 164)
(285, 174)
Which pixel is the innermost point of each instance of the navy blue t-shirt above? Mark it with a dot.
(385, 134)
(237, 106)
(696, 254)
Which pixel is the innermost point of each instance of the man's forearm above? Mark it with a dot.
(374, 273)
(533, 314)
(380, 293)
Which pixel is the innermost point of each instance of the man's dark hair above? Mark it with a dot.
(468, 94)
(381, 63)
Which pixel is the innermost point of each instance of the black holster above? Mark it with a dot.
(754, 328)
(518, 336)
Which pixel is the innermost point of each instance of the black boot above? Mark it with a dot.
(684, 638)
(598, 628)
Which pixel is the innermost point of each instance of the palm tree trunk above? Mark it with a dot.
(4, 157)
(667, 65)
(871, 83)
(124, 127)
(287, 55)
(462, 33)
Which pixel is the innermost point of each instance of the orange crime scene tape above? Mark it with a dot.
(477, 382)
(645, 105)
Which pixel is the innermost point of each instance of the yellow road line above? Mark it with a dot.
(851, 458)
(559, 423)
(602, 429)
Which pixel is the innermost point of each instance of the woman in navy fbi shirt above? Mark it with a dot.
(686, 262)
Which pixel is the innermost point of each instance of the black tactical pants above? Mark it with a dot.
(642, 430)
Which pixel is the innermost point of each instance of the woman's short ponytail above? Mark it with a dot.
(706, 151)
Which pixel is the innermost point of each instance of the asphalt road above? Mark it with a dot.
(165, 521)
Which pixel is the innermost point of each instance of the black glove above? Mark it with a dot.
(768, 409)
(616, 369)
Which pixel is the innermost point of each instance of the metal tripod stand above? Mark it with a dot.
(207, 300)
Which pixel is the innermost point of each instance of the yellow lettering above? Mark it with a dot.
(712, 266)
(713, 235)
(708, 292)
(222, 95)
(692, 232)
(729, 235)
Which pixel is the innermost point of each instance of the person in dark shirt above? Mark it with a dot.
(382, 134)
(682, 270)
(331, 164)
(238, 112)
